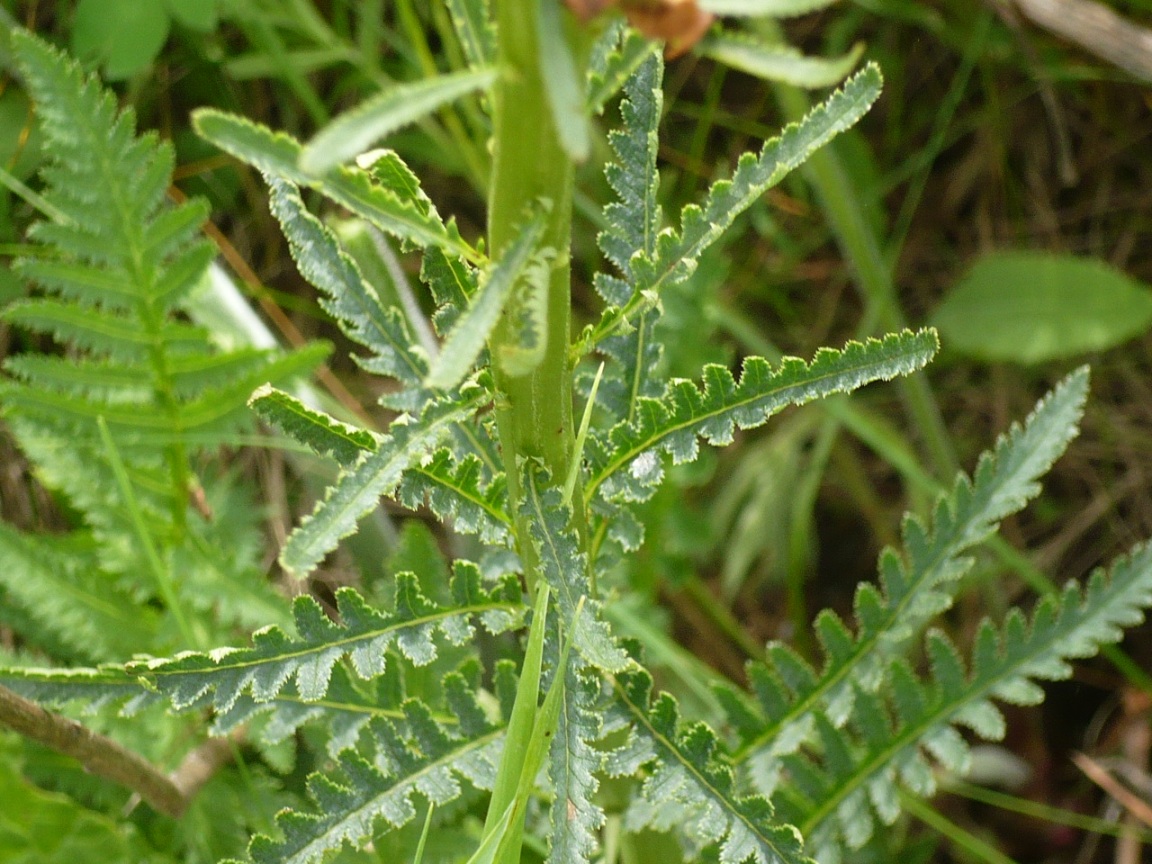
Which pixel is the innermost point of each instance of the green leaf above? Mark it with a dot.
(915, 587)
(677, 252)
(199, 15)
(57, 581)
(355, 131)
(358, 491)
(453, 487)
(565, 568)
(689, 786)
(520, 261)
(565, 88)
(1031, 307)
(124, 35)
(574, 762)
(350, 299)
(774, 8)
(278, 155)
(634, 223)
(96, 690)
(367, 798)
(365, 636)
(616, 55)
(320, 432)
(626, 465)
(506, 809)
(852, 787)
(779, 62)
(474, 29)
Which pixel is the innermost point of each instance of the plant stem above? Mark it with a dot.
(99, 755)
(534, 413)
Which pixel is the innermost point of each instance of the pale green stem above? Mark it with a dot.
(534, 411)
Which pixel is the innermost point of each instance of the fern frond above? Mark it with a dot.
(378, 473)
(627, 465)
(677, 253)
(565, 568)
(276, 154)
(213, 410)
(854, 785)
(690, 786)
(364, 636)
(428, 760)
(116, 336)
(58, 583)
(350, 300)
(116, 263)
(914, 589)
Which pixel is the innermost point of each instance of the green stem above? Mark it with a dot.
(977, 849)
(534, 414)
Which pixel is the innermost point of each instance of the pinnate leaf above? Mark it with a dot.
(364, 635)
(627, 464)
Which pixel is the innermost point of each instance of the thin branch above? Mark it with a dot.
(105, 758)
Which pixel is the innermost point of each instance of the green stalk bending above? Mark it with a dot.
(534, 415)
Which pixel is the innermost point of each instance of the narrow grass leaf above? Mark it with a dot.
(563, 85)
(779, 62)
(774, 8)
(355, 131)
(470, 332)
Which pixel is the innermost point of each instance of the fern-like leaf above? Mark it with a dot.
(428, 760)
(914, 589)
(278, 155)
(350, 300)
(677, 253)
(323, 434)
(633, 225)
(691, 787)
(565, 568)
(364, 636)
(375, 474)
(627, 465)
(59, 582)
(573, 763)
(854, 784)
(616, 54)
(455, 489)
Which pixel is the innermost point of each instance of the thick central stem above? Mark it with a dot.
(534, 417)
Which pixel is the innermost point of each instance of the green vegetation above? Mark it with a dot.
(578, 424)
